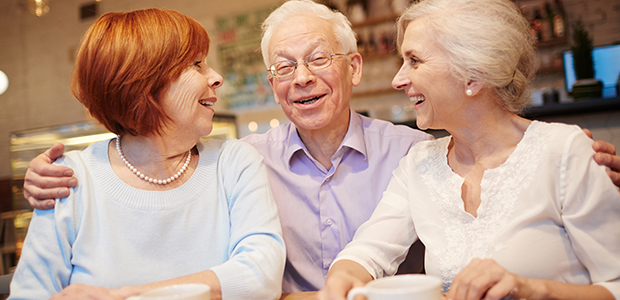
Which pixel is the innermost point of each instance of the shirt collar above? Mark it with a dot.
(354, 139)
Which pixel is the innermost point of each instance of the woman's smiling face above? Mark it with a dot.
(426, 78)
(189, 100)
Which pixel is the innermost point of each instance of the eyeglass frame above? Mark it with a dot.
(295, 64)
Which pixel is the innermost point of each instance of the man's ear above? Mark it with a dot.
(271, 79)
(356, 68)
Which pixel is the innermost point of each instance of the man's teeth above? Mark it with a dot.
(309, 101)
(205, 103)
(417, 99)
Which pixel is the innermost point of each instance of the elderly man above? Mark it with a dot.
(329, 167)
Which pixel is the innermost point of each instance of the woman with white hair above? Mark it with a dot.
(506, 207)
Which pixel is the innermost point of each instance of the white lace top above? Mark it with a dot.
(548, 212)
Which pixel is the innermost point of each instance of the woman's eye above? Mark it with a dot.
(414, 61)
(197, 63)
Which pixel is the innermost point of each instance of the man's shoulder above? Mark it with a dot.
(277, 134)
(229, 147)
(385, 129)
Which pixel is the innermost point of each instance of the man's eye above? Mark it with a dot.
(320, 60)
(284, 67)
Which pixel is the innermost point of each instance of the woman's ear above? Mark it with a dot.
(473, 88)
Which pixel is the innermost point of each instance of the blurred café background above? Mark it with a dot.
(38, 40)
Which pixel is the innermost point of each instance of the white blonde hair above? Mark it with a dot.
(486, 41)
(345, 37)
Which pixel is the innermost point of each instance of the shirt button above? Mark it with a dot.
(328, 179)
(329, 222)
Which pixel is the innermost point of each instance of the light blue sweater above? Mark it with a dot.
(109, 234)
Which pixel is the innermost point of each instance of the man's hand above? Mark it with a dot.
(606, 156)
(44, 181)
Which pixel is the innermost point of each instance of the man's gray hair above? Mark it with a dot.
(345, 37)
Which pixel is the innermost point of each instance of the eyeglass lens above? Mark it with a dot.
(314, 62)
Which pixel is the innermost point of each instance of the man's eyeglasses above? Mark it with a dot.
(314, 62)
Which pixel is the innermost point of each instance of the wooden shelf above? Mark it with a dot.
(549, 70)
(374, 92)
(559, 109)
(375, 21)
(553, 42)
(581, 107)
(378, 55)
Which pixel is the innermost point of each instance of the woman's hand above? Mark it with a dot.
(43, 181)
(343, 276)
(80, 291)
(338, 285)
(486, 279)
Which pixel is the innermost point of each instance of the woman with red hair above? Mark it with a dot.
(156, 205)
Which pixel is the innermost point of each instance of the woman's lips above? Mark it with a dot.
(417, 99)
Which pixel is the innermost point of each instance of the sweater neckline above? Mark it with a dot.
(124, 194)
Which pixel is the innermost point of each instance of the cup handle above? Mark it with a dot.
(356, 291)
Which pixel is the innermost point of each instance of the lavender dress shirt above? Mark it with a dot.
(321, 209)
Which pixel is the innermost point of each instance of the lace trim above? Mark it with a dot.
(468, 237)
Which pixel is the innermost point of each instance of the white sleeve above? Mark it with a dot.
(44, 267)
(380, 244)
(591, 212)
(257, 252)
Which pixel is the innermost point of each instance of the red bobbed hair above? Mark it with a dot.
(126, 62)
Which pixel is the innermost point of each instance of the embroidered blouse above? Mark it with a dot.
(549, 211)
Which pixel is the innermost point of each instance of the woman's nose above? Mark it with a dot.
(400, 80)
(215, 79)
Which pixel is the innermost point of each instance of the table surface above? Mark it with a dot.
(299, 296)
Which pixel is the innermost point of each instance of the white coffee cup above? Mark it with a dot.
(190, 291)
(400, 287)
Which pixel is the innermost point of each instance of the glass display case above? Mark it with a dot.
(27, 144)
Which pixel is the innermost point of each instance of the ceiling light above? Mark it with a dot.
(38, 7)
(4, 82)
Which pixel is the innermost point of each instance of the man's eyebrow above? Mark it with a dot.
(317, 42)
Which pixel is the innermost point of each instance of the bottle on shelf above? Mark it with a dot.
(372, 44)
(536, 24)
(559, 22)
(546, 26)
(356, 10)
(362, 42)
(384, 43)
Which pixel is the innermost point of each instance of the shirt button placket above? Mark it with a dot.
(328, 238)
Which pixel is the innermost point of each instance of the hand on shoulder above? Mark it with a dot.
(45, 181)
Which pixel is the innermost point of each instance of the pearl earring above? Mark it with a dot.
(469, 92)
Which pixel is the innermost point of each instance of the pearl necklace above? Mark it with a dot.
(146, 178)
